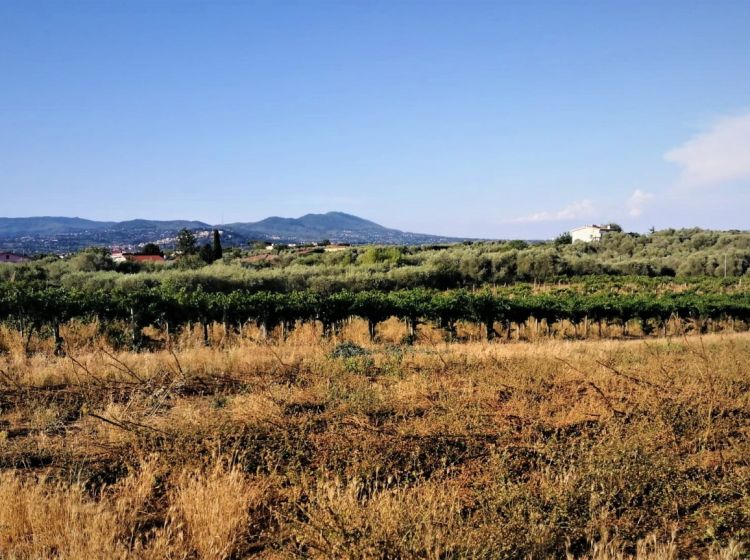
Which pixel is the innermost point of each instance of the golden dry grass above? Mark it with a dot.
(591, 449)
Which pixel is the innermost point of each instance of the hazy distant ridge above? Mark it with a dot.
(60, 234)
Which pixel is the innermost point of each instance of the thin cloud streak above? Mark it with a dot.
(637, 201)
(576, 211)
(719, 155)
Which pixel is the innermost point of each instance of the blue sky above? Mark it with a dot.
(492, 119)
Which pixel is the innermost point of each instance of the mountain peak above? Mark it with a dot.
(60, 234)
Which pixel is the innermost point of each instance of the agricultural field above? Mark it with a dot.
(376, 409)
(206, 355)
(312, 446)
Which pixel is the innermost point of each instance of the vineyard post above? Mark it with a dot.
(59, 350)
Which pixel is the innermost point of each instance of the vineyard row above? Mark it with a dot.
(31, 310)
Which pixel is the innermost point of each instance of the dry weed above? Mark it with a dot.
(468, 450)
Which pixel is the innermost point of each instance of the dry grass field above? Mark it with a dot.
(304, 448)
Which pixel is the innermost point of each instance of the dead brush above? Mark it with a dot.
(214, 512)
(272, 449)
(417, 522)
(652, 548)
(43, 520)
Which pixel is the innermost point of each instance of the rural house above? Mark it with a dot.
(137, 257)
(12, 258)
(120, 257)
(587, 234)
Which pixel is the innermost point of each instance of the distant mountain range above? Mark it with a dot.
(61, 235)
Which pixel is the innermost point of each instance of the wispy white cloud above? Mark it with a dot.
(718, 155)
(637, 201)
(576, 211)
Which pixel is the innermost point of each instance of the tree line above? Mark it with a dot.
(45, 309)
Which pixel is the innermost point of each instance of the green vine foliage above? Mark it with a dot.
(34, 307)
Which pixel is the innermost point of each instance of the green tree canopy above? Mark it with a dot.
(186, 242)
(206, 253)
(151, 249)
(218, 252)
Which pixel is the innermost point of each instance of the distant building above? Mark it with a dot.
(335, 248)
(12, 258)
(120, 257)
(144, 258)
(587, 234)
